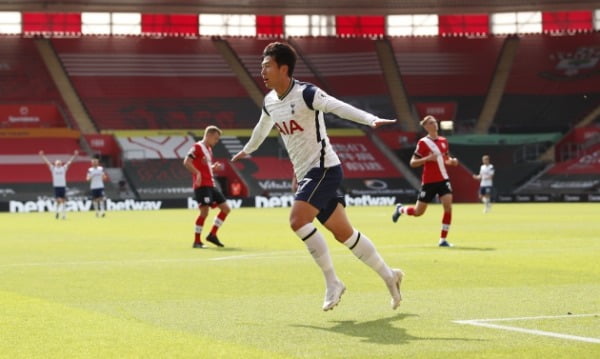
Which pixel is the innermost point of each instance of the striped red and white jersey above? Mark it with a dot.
(433, 171)
(201, 155)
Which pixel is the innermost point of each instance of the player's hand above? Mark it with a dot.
(432, 157)
(41, 153)
(381, 122)
(239, 155)
(76, 152)
(217, 166)
(452, 161)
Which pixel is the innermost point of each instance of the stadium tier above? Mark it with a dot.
(26, 85)
(455, 66)
(553, 84)
(249, 51)
(145, 83)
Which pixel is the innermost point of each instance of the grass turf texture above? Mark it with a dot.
(130, 285)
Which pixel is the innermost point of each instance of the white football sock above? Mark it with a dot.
(317, 247)
(363, 249)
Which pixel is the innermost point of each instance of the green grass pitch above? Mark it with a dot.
(131, 286)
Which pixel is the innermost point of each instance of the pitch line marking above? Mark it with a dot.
(486, 323)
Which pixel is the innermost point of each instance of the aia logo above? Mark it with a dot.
(288, 127)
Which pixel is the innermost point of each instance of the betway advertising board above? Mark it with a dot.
(84, 205)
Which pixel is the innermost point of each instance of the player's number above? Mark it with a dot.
(303, 183)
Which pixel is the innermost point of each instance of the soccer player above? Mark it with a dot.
(432, 153)
(96, 176)
(199, 161)
(296, 110)
(59, 182)
(486, 176)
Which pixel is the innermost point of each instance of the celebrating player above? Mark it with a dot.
(59, 181)
(96, 177)
(199, 162)
(486, 176)
(432, 153)
(296, 110)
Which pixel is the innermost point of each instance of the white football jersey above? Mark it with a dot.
(96, 175)
(298, 116)
(59, 175)
(487, 174)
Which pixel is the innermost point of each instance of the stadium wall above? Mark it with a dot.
(84, 205)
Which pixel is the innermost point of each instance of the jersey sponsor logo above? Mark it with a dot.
(289, 127)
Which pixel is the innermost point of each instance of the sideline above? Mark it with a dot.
(486, 323)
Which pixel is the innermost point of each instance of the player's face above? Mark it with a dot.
(213, 138)
(431, 125)
(273, 75)
(58, 163)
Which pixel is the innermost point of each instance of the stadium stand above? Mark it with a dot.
(146, 83)
(552, 84)
(449, 70)
(577, 170)
(24, 74)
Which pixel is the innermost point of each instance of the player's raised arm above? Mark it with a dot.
(75, 153)
(45, 158)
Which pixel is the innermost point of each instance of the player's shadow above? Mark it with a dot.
(379, 331)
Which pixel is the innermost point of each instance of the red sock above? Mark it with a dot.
(198, 232)
(446, 220)
(218, 222)
(409, 210)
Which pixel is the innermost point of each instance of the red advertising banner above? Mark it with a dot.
(443, 111)
(103, 144)
(361, 159)
(30, 116)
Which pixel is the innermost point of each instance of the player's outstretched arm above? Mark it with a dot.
(382, 122)
(239, 155)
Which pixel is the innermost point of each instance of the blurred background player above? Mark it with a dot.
(296, 110)
(199, 161)
(96, 176)
(486, 176)
(59, 182)
(432, 153)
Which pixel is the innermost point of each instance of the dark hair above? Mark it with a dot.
(283, 54)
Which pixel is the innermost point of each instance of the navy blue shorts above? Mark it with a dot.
(485, 190)
(320, 188)
(430, 190)
(97, 193)
(208, 196)
(60, 192)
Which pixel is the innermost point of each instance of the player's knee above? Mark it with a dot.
(297, 223)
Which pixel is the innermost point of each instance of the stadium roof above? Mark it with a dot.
(288, 7)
